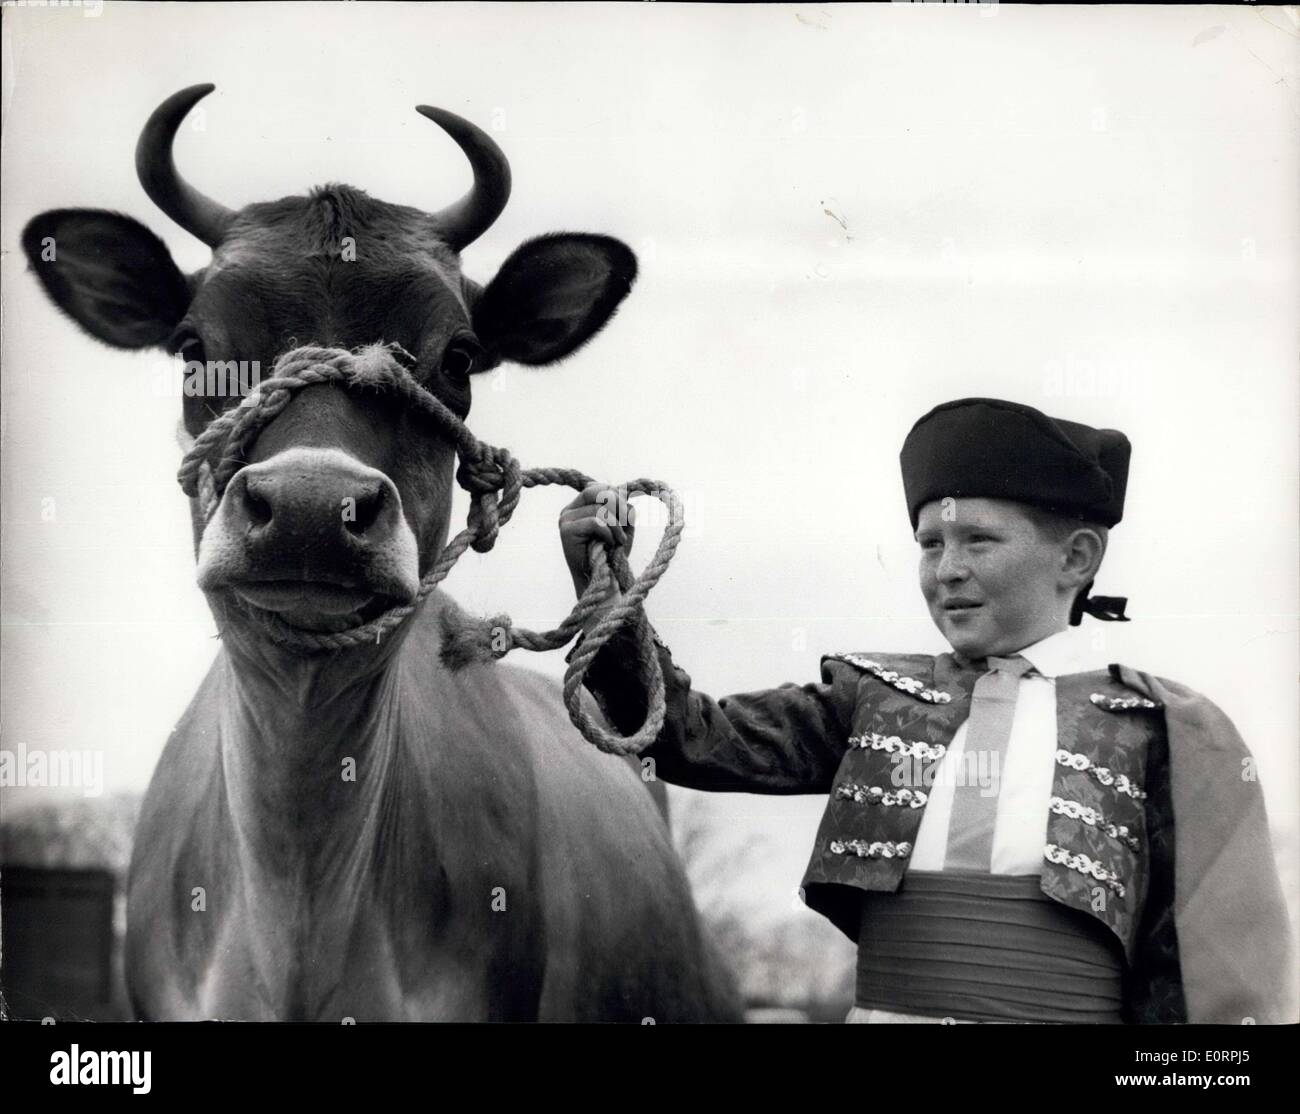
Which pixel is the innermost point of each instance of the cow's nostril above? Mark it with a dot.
(259, 510)
(365, 511)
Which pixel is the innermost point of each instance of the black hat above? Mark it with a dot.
(990, 448)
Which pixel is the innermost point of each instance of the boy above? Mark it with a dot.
(1012, 833)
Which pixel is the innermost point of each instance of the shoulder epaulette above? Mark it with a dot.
(892, 677)
(1133, 702)
(1124, 703)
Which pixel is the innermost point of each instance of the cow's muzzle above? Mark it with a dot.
(313, 535)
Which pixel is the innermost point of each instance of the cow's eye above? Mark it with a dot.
(186, 344)
(458, 361)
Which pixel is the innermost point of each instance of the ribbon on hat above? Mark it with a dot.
(1109, 609)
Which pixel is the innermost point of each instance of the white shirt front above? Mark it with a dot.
(1029, 766)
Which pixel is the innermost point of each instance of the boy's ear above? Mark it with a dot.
(1084, 549)
(552, 295)
(109, 273)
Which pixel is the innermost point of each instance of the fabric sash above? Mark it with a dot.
(985, 947)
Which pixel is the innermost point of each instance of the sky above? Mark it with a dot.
(843, 216)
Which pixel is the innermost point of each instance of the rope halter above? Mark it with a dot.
(494, 480)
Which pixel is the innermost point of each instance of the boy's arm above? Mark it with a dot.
(783, 740)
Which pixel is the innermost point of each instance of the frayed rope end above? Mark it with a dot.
(471, 641)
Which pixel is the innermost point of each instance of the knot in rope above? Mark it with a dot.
(483, 473)
(494, 480)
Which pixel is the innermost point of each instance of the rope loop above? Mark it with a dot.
(615, 597)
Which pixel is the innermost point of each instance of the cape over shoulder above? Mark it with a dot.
(1235, 940)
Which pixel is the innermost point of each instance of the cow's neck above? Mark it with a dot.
(310, 751)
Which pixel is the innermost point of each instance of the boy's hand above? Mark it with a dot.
(599, 513)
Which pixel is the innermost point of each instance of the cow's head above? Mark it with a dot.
(345, 498)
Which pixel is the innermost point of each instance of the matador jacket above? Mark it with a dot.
(1155, 826)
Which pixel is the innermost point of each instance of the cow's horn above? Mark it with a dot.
(471, 216)
(205, 218)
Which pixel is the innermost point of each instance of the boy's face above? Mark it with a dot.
(992, 582)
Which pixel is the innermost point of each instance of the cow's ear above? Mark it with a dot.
(552, 295)
(109, 273)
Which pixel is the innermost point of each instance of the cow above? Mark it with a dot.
(368, 833)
